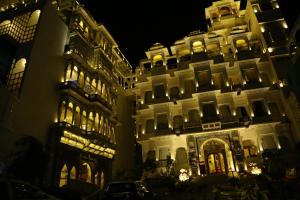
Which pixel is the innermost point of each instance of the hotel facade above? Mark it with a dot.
(63, 79)
(214, 101)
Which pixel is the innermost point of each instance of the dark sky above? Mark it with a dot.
(136, 25)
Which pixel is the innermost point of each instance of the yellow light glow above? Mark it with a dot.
(185, 119)
(212, 81)
(255, 10)
(269, 112)
(227, 83)
(252, 114)
(143, 132)
(182, 91)
(262, 29)
(256, 171)
(260, 80)
(270, 49)
(234, 113)
(281, 84)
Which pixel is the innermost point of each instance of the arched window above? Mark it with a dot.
(103, 92)
(34, 18)
(102, 180)
(101, 125)
(5, 22)
(99, 87)
(68, 73)
(81, 79)
(86, 173)
(73, 173)
(69, 115)
(20, 66)
(90, 122)
(225, 11)
(94, 86)
(83, 120)
(97, 179)
(77, 116)
(96, 124)
(241, 43)
(74, 75)
(62, 111)
(198, 47)
(81, 23)
(63, 176)
(212, 48)
(113, 136)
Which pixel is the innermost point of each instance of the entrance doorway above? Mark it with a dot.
(216, 163)
(215, 157)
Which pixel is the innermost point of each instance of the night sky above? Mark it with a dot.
(136, 25)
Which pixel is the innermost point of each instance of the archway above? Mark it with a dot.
(216, 156)
(63, 176)
(86, 173)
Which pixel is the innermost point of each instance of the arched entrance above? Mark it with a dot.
(86, 173)
(215, 156)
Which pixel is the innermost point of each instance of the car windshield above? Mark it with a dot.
(121, 187)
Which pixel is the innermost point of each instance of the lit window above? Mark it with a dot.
(81, 24)
(16, 75)
(86, 173)
(198, 46)
(73, 173)
(63, 176)
(34, 18)
(5, 22)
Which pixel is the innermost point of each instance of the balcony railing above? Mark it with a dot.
(163, 131)
(261, 119)
(72, 85)
(97, 137)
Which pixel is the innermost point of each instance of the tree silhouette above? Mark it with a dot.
(27, 161)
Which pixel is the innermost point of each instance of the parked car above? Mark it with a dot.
(129, 190)
(11, 189)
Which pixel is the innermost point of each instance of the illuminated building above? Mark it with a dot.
(213, 101)
(60, 76)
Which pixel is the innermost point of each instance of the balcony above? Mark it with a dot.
(93, 97)
(199, 57)
(158, 100)
(94, 136)
(210, 118)
(163, 131)
(245, 54)
(217, 58)
(158, 70)
(206, 88)
(262, 119)
(229, 122)
(253, 85)
(193, 126)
